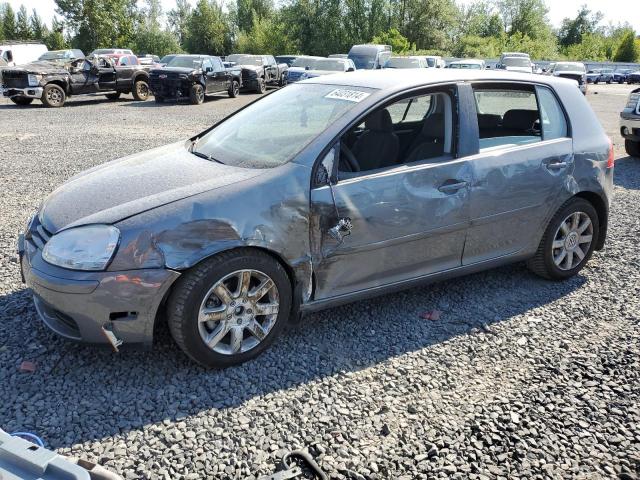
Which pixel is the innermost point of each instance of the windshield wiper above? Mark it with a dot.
(206, 157)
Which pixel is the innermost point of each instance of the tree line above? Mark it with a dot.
(320, 27)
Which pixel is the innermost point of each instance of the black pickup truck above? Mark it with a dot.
(53, 83)
(258, 71)
(193, 77)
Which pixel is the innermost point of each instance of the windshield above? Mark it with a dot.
(185, 62)
(167, 58)
(271, 131)
(475, 66)
(330, 65)
(103, 51)
(363, 61)
(305, 62)
(516, 62)
(568, 67)
(399, 62)
(54, 55)
(247, 60)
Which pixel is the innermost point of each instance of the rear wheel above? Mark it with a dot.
(196, 94)
(22, 101)
(113, 96)
(234, 89)
(230, 308)
(261, 87)
(568, 242)
(53, 96)
(632, 148)
(140, 90)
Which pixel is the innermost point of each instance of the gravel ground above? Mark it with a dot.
(519, 378)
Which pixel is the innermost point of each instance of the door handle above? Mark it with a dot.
(556, 165)
(452, 187)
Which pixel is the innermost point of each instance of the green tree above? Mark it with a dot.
(55, 40)
(268, 35)
(247, 11)
(628, 49)
(9, 23)
(208, 30)
(593, 46)
(480, 19)
(178, 19)
(99, 23)
(39, 30)
(393, 37)
(572, 29)
(473, 46)
(429, 25)
(149, 37)
(23, 28)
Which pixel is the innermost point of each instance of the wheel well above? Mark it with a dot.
(59, 83)
(603, 215)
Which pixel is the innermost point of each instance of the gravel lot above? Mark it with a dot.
(519, 378)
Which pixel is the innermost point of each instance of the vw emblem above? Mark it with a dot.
(162, 76)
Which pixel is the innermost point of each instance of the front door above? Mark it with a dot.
(84, 77)
(106, 74)
(408, 214)
(518, 175)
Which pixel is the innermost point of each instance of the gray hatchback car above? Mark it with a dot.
(331, 190)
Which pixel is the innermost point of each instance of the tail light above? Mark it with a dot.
(610, 160)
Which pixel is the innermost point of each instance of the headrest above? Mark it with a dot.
(433, 126)
(379, 121)
(519, 119)
(488, 120)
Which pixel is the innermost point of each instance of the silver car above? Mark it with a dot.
(331, 190)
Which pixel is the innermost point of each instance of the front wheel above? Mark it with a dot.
(283, 80)
(22, 101)
(261, 87)
(234, 89)
(140, 90)
(53, 96)
(196, 94)
(230, 308)
(568, 241)
(632, 148)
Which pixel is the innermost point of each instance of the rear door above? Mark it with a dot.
(524, 157)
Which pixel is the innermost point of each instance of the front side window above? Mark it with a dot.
(124, 61)
(217, 65)
(206, 64)
(507, 116)
(273, 130)
(414, 129)
(554, 123)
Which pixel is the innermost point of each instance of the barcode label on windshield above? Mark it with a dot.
(349, 95)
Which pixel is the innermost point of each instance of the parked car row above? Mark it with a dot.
(609, 75)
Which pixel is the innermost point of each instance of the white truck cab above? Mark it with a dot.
(19, 53)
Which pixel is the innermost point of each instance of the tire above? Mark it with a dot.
(261, 86)
(632, 148)
(234, 89)
(53, 96)
(113, 96)
(22, 101)
(140, 90)
(544, 262)
(158, 99)
(196, 94)
(194, 290)
(283, 81)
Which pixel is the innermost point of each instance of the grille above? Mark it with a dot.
(14, 79)
(166, 85)
(294, 76)
(246, 76)
(38, 235)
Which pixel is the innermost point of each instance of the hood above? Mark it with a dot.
(41, 67)
(319, 73)
(185, 70)
(518, 69)
(255, 68)
(116, 190)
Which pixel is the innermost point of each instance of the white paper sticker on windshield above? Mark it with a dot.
(345, 94)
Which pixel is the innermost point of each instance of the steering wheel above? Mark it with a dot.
(350, 157)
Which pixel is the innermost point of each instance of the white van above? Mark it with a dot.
(19, 53)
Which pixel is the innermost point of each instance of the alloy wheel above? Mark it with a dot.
(238, 312)
(572, 241)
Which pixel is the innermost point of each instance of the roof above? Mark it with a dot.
(468, 61)
(400, 79)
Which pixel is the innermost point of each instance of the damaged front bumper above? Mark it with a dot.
(95, 307)
(28, 92)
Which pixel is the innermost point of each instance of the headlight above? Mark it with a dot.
(183, 76)
(303, 76)
(82, 248)
(34, 80)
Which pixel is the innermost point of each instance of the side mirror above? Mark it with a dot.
(208, 69)
(9, 56)
(351, 69)
(307, 67)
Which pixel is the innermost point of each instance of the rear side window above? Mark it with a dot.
(507, 116)
(554, 123)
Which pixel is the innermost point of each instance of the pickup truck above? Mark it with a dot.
(194, 76)
(53, 83)
(258, 71)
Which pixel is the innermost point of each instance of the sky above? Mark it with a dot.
(615, 11)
